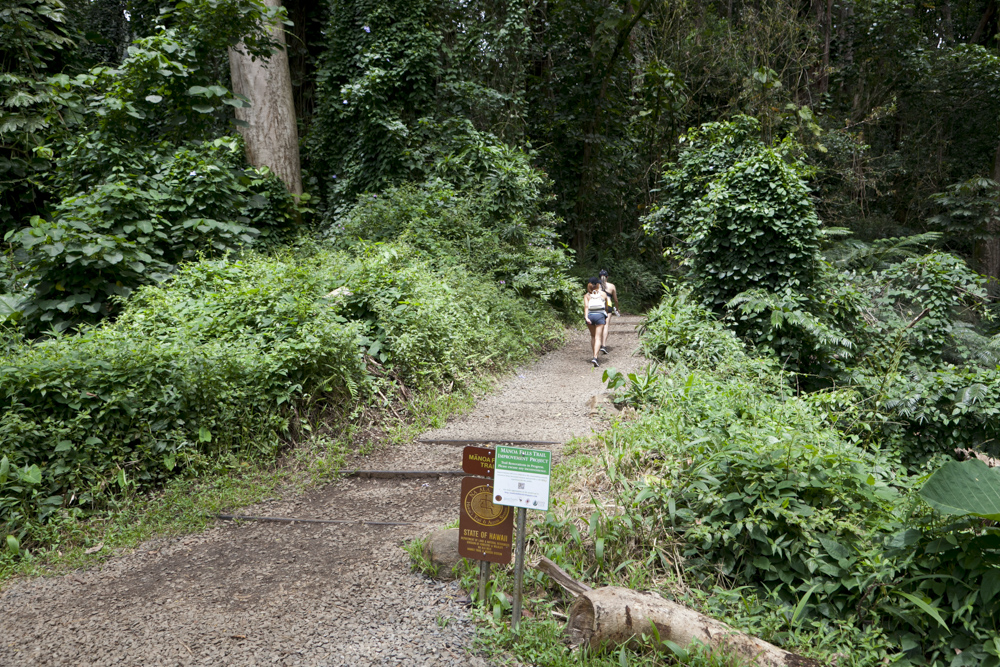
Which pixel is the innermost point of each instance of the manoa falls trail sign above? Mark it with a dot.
(484, 528)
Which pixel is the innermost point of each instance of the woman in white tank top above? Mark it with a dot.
(594, 314)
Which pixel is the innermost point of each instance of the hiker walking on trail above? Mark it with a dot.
(595, 314)
(610, 290)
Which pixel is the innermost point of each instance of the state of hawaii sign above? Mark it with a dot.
(485, 529)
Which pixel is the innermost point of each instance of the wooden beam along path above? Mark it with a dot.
(493, 441)
(392, 474)
(288, 519)
(404, 474)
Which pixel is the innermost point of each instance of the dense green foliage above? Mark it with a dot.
(406, 91)
(133, 173)
(449, 228)
(227, 358)
(136, 229)
(905, 328)
(787, 521)
(743, 212)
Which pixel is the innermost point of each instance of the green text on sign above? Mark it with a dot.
(523, 460)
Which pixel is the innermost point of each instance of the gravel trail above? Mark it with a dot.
(307, 594)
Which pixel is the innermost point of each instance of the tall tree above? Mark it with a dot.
(270, 133)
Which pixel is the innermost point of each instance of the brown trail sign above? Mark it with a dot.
(478, 461)
(484, 529)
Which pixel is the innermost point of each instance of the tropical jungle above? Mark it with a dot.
(220, 219)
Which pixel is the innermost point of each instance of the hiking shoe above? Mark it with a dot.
(595, 362)
(604, 350)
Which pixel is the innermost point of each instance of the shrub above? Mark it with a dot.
(485, 232)
(225, 356)
(765, 497)
(438, 324)
(677, 330)
(755, 228)
(134, 228)
(202, 367)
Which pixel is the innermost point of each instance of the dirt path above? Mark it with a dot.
(306, 594)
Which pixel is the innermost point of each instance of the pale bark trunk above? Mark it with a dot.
(617, 616)
(271, 134)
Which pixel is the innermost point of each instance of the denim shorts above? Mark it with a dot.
(597, 317)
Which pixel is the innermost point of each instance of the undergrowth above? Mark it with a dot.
(732, 494)
(236, 360)
(729, 492)
(190, 503)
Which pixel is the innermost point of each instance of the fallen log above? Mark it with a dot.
(559, 575)
(615, 616)
(966, 454)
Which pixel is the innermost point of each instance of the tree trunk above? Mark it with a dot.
(987, 250)
(271, 134)
(947, 24)
(581, 238)
(824, 80)
(983, 31)
(615, 616)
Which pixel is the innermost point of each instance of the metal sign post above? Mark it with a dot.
(521, 480)
(515, 617)
(484, 577)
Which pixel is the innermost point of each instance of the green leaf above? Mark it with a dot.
(13, 546)
(966, 487)
(801, 606)
(834, 548)
(4, 469)
(170, 461)
(122, 481)
(155, 99)
(203, 108)
(113, 257)
(32, 475)
(204, 435)
(928, 609)
(676, 649)
(990, 585)
(905, 538)
(64, 446)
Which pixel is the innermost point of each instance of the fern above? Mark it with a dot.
(788, 313)
(859, 255)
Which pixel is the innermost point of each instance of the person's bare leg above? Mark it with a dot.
(604, 334)
(595, 338)
(593, 333)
